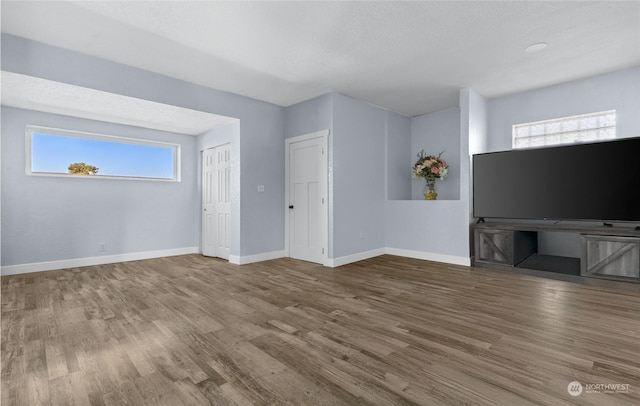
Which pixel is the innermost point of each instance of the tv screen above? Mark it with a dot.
(596, 181)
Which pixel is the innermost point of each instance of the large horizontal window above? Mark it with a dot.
(566, 130)
(70, 153)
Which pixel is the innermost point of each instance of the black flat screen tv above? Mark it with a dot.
(595, 181)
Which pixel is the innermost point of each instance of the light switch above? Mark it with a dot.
(260, 188)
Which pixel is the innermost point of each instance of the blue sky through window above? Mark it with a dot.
(54, 153)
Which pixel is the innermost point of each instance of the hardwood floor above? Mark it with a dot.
(191, 330)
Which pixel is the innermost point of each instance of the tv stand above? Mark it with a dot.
(607, 252)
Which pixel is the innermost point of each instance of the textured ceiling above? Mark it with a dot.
(31, 93)
(409, 57)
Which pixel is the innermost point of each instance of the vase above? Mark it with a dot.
(430, 190)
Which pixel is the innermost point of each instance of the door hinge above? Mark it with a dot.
(322, 150)
(323, 200)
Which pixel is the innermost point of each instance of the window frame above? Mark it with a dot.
(561, 120)
(30, 129)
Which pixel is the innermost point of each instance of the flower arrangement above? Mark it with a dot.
(430, 167)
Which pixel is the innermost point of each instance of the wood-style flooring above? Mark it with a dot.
(192, 330)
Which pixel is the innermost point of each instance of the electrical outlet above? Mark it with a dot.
(260, 188)
(102, 247)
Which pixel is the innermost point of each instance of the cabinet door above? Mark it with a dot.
(611, 256)
(495, 246)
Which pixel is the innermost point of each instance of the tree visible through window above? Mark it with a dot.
(62, 152)
(80, 168)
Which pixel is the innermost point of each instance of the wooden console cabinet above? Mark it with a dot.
(505, 247)
(611, 257)
(606, 252)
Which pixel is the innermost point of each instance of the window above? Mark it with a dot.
(55, 152)
(566, 130)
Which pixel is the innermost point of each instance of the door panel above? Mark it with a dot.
(306, 218)
(301, 213)
(223, 202)
(216, 203)
(208, 203)
(314, 207)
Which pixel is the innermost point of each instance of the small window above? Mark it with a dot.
(566, 130)
(55, 152)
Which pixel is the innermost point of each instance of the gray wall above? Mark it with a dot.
(369, 147)
(358, 172)
(474, 135)
(262, 163)
(473, 121)
(618, 90)
(309, 116)
(438, 132)
(261, 125)
(361, 138)
(398, 157)
(436, 228)
(58, 218)
(439, 229)
(476, 121)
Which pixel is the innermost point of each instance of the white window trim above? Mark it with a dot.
(30, 129)
(514, 129)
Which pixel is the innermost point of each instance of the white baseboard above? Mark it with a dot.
(347, 259)
(107, 259)
(233, 259)
(249, 259)
(429, 256)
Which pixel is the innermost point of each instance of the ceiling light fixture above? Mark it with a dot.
(536, 47)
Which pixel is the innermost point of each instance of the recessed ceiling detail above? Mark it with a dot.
(27, 92)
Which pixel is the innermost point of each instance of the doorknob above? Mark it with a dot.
(291, 206)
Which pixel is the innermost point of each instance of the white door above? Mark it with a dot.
(307, 193)
(216, 205)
